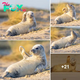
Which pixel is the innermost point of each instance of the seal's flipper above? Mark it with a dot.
(55, 47)
(40, 68)
(23, 52)
(74, 18)
(24, 17)
(68, 44)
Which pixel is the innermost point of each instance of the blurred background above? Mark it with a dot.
(9, 50)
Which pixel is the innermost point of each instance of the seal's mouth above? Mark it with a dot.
(33, 51)
(31, 16)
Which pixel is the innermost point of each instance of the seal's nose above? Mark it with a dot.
(33, 50)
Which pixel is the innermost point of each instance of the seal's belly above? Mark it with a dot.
(23, 67)
(63, 41)
(65, 18)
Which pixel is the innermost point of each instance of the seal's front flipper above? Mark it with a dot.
(68, 44)
(23, 52)
(74, 18)
(39, 68)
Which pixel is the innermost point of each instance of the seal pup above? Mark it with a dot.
(27, 25)
(30, 65)
(65, 41)
(67, 16)
(69, 66)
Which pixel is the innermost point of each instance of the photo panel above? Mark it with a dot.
(65, 13)
(65, 40)
(18, 59)
(65, 66)
(20, 20)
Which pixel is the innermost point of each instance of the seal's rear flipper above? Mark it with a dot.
(55, 47)
(5, 74)
(23, 52)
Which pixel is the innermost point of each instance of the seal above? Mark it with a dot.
(30, 64)
(69, 66)
(27, 24)
(65, 41)
(68, 16)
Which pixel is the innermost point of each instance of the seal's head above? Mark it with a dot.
(30, 14)
(73, 61)
(70, 7)
(37, 50)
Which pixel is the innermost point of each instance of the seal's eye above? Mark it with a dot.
(37, 48)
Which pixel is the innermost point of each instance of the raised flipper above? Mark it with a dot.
(64, 10)
(24, 17)
(23, 52)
